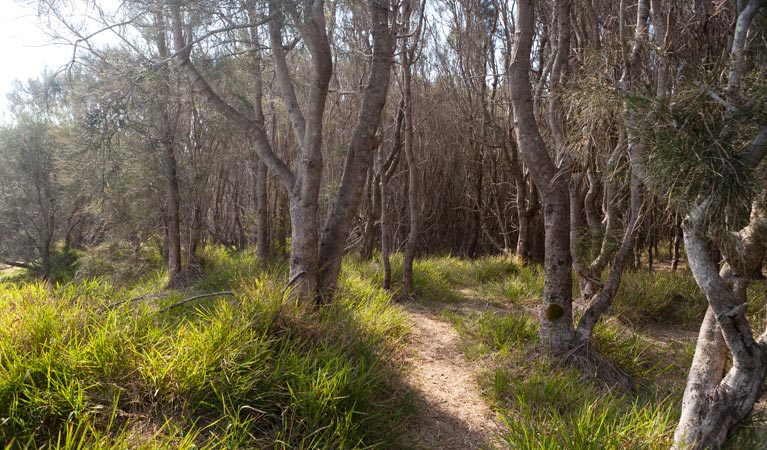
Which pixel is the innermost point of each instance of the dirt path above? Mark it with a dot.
(455, 415)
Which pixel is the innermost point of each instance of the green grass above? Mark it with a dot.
(440, 279)
(98, 363)
(545, 404)
(660, 298)
(253, 371)
(523, 289)
(488, 332)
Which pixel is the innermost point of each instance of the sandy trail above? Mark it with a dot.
(455, 415)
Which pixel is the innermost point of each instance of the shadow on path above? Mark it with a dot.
(454, 414)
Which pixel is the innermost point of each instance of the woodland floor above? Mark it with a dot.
(455, 415)
(7, 271)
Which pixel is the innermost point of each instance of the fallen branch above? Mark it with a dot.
(139, 298)
(197, 297)
(19, 264)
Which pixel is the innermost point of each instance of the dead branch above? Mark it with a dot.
(197, 297)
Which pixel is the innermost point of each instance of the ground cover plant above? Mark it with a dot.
(543, 403)
(86, 364)
(95, 362)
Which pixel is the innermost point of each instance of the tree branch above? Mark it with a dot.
(263, 147)
(19, 264)
(197, 297)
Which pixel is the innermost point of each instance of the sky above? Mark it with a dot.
(26, 49)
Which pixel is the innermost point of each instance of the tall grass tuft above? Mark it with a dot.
(660, 298)
(255, 370)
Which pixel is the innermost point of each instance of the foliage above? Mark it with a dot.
(696, 150)
(441, 278)
(119, 261)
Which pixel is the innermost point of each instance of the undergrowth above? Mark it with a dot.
(443, 278)
(543, 403)
(81, 367)
(101, 362)
(667, 298)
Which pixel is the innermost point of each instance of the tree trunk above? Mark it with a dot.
(360, 152)
(173, 218)
(385, 222)
(168, 142)
(46, 265)
(713, 403)
(556, 325)
(262, 223)
(195, 237)
(413, 200)
(611, 227)
(386, 169)
(373, 211)
(476, 212)
(580, 244)
(262, 200)
(604, 298)
(523, 233)
(678, 237)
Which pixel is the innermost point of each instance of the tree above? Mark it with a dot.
(556, 326)
(408, 56)
(30, 195)
(314, 262)
(38, 175)
(718, 397)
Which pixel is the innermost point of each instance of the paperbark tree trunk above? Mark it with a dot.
(361, 149)
(167, 141)
(714, 402)
(556, 324)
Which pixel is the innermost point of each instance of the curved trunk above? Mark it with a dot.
(606, 294)
(714, 402)
(556, 325)
(360, 153)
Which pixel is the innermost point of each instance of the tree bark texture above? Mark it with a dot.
(360, 151)
(167, 141)
(556, 325)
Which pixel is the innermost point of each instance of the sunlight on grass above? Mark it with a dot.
(98, 363)
(249, 371)
(661, 298)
